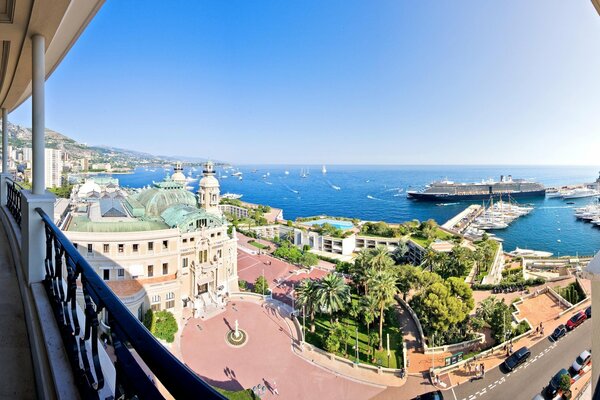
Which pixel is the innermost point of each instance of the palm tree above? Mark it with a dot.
(384, 290)
(400, 252)
(485, 309)
(380, 259)
(429, 259)
(332, 294)
(360, 268)
(306, 296)
(368, 306)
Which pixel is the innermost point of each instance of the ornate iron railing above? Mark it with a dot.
(64, 267)
(13, 199)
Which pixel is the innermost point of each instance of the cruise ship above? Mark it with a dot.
(446, 190)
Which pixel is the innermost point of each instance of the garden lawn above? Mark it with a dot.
(322, 327)
(258, 245)
(424, 242)
(246, 394)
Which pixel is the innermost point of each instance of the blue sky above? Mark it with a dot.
(340, 81)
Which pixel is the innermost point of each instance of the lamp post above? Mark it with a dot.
(357, 345)
(293, 299)
(432, 354)
(303, 322)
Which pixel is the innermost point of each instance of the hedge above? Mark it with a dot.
(525, 283)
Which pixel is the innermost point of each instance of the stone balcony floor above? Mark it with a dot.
(16, 369)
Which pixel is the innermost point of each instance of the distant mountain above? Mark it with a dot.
(20, 137)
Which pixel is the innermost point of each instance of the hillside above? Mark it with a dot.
(20, 137)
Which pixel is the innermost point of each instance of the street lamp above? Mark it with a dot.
(357, 345)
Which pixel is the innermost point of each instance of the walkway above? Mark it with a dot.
(16, 379)
(266, 359)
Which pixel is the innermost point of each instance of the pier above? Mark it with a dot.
(462, 220)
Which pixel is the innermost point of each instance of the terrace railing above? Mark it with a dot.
(66, 271)
(13, 199)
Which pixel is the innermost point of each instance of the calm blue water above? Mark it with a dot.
(379, 193)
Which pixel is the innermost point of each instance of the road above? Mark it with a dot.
(547, 358)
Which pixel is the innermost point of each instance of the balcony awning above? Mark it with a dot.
(59, 21)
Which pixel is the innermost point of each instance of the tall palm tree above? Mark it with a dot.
(384, 290)
(380, 259)
(360, 268)
(368, 305)
(306, 294)
(400, 252)
(333, 294)
(485, 309)
(429, 259)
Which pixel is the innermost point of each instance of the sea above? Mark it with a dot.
(378, 193)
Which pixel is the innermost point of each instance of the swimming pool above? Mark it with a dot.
(333, 222)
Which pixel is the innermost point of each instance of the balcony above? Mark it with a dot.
(62, 301)
(54, 306)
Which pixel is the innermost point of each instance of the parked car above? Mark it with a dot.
(554, 385)
(538, 397)
(588, 312)
(581, 361)
(576, 320)
(559, 332)
(436, 395)
(517, 358)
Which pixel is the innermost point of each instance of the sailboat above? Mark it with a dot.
(303, 173)
(323, 170)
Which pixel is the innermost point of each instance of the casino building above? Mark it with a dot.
(157, 248)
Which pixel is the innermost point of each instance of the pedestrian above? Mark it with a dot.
(537, 330)
(275, 388)
(511, 348)
(482, 370)
(477, 370)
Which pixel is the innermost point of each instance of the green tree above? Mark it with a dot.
(368, 306)
(261, 285)
(333, 294)
(161, 324)
(443, 304)
(565, 383)
(384, 289)
(379, 259)
(400, 252)
(306, 296)
(309, 259)
(332, 343)
(408, 279)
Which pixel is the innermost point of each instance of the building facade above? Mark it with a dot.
(156, 248)
(54, 167)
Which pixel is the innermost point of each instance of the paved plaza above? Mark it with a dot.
(266, 359)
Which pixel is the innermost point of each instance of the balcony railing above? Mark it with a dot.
(64, 267)
(13, 199)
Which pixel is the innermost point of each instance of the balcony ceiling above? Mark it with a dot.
(59, 21)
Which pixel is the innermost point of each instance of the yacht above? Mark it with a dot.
(232, 196)
(580, 193)
(518, 252)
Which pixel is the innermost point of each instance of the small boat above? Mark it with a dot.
(287, 172)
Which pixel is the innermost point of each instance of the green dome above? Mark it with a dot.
(157, 199)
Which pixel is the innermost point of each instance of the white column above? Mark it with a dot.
(4, 141)
(38, 114)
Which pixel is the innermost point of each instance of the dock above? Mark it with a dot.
(462, 220)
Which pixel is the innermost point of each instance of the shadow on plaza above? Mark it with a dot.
(232, 384)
